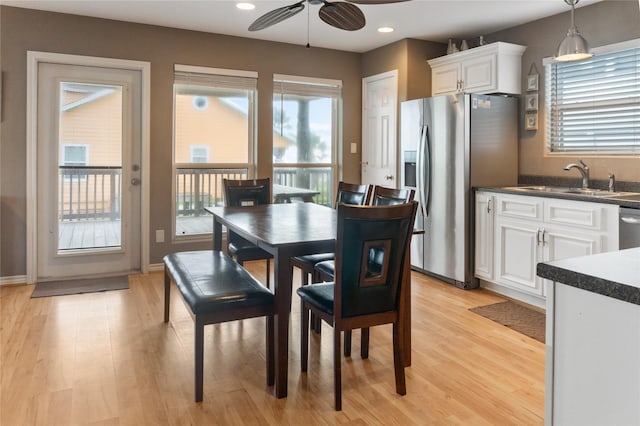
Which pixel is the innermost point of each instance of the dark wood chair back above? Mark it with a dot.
(383, 196)
(352, 193)
(371, 246)
(246, 192)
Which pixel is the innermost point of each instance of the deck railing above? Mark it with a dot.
(91, 193)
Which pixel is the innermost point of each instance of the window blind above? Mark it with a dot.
(307, 87)
(594, 105)
(209, 77)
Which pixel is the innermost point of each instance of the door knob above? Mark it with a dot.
(135, 181)
(388, 177)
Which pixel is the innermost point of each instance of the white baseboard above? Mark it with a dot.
(530, 299)
(156, 267)
(16, 279)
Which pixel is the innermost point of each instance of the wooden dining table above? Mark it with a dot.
(286, 231)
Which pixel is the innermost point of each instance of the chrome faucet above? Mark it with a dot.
(612, 182)
(584, 171)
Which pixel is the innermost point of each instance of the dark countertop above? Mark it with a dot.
(631, 200)
(614, 274)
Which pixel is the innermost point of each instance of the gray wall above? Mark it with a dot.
(23, 29)
(603, 23)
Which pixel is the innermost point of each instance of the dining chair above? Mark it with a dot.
(348, 193)
(371, 246)
(247, 193)
(324, 270)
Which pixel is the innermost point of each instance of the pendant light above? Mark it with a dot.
(574, 47)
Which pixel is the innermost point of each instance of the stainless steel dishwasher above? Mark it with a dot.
(629, 228)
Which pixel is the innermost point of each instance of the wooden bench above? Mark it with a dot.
(217, 289)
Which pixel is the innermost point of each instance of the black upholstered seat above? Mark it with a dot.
(217, 289)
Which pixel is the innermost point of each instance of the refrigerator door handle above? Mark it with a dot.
(420, 171)
(427, 170)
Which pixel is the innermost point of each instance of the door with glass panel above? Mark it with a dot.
(88, 184)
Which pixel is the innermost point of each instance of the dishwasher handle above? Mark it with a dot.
(633, 220)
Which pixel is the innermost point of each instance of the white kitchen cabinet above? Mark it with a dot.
(484, 236)
(528, 230)
(492, 68)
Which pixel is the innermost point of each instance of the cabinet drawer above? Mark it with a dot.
(523, 207)
(581, 215)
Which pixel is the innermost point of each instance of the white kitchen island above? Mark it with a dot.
(593, 339)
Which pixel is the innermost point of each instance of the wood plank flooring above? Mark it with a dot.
(108, 359)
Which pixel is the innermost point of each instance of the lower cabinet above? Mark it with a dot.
(516, 232)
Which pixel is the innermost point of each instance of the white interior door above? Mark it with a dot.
(88, 164)
(379, 110)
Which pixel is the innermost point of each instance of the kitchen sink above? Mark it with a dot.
(588, 192)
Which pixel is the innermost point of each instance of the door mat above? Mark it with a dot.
(93, 285)
(515, 316)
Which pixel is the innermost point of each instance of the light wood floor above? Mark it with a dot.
(108, 359)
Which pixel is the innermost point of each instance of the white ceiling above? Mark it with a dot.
(433, 20)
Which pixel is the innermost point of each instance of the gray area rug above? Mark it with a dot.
(515, 316)
(93, 285)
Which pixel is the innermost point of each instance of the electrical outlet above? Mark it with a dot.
(159, 235)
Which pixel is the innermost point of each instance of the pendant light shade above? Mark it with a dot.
(574, 47)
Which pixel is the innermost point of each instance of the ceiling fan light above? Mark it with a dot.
(245, 6)
(574, 47)
(385, 30)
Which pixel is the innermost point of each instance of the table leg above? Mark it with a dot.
(283, 276)
(217, 234)
(406, 276)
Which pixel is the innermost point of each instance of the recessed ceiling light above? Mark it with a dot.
(245, 6)
(385, 30)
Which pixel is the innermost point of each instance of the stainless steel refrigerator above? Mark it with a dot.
(449, 145)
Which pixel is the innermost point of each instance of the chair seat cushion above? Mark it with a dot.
(328, 267)
(320, 296)
(311, 259)
(211, 281)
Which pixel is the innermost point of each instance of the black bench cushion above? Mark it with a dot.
(211, 281)
(328, 267)
(312, 259)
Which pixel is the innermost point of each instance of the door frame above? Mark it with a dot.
(34, 58)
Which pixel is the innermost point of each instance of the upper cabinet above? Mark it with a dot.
(492, 68)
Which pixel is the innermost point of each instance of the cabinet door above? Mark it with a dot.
(559, 243)
(445, 79)
(484, 236)
(479, 75)
(517, 254)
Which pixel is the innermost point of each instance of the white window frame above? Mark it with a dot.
(205, 76)
(337, 117)
(616, 47)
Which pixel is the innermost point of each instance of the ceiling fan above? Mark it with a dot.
(342, 15)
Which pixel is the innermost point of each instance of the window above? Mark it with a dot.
(214, 115)
(199, 153)
(593, 106)
(306, 127)
(74, 155)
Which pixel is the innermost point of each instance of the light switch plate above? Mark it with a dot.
(354, 148)
(159, 235)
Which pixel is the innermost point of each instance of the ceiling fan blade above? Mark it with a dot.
(375, 1)
(345, 16)
(276, 16)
